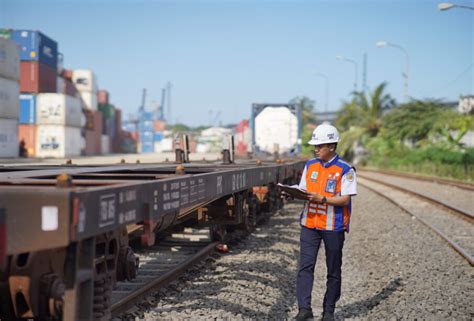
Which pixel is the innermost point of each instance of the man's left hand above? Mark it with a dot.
(314, 197)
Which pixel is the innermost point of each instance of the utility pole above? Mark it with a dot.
(364, 74)
(162, 109)
(142, 107)
(168, 92)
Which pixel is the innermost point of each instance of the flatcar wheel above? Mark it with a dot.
(249, 213)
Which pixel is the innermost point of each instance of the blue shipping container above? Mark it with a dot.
(146, 125)
(27, 109)
(146, 115)
(147, 148)
(158, 136)
(35, 46)
(146, 136)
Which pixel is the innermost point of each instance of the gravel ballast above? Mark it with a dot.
(394, 268)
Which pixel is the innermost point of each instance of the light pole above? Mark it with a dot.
(326, 78)
(339, 57)
(447, 5)
(382, 44)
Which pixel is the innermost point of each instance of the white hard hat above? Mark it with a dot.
(324, 134)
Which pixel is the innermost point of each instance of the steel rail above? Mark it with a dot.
(462, 185)
(469, 258)
(127, 302)
(466, 215)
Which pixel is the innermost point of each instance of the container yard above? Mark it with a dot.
(49, 111)
(184, 160)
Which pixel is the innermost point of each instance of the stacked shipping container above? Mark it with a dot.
(9, 98)
(50, 116)
(59, 120)
(57, 113)
(85, 83)
(146, 132)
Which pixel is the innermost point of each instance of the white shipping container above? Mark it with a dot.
(276, 129)
(59, 109)
(9, 138)
(105, 144)
(89, 99)
(9, 98)
(167, 144)
(58, 141)
(9, 59)
(158, 148)
(84, 80)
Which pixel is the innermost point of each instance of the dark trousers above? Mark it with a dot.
(310, 240)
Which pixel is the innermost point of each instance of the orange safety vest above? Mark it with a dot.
(325, 179)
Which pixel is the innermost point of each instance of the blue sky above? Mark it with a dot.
(225, 55)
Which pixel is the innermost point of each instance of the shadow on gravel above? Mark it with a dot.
(361, 308)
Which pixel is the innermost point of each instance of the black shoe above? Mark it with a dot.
(328, 316)
(304, 314)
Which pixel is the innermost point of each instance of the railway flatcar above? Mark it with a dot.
(65, 230)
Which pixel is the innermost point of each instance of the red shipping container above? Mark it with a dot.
(67, 74)
(98, 122)
(89, 114)
(93, 136)
(93, 142)
(135, 136)
(37, 78)
(27, 133)
(117, 140)
(243, 137)
(192, 146)
(118, 120)
(159, 125)
(103, 96)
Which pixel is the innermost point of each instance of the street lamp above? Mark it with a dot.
(339, 57)
(447, 5)
(320, 74)
(382, 44)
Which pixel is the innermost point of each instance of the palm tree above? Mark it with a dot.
(372, 106)
(362, 117)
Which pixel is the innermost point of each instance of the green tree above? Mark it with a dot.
(427, 122)
(307, 109)
(361, 118)
(179, 128)
(308, 119)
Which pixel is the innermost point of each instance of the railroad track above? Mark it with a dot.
(160, 265)
(462, 185)
(448, 222)
(466, 213)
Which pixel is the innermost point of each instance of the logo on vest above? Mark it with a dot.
(314, 176)
(331, 186)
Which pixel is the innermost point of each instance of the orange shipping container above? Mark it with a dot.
(159, 125)
(27, 133)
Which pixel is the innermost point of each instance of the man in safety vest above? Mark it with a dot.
(330, 182)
